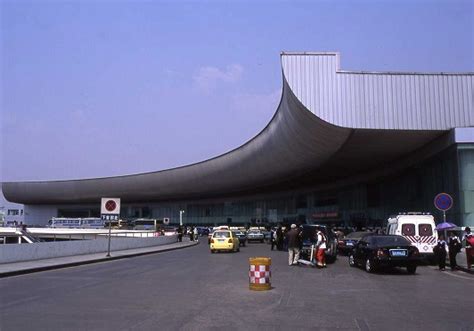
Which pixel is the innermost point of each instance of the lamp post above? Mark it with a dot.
(181, 212)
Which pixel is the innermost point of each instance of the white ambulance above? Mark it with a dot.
(418, 228)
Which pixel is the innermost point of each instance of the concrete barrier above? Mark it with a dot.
(47, 250)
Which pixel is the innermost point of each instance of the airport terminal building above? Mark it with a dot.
(344, 148)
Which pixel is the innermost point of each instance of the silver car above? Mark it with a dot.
(255, 235)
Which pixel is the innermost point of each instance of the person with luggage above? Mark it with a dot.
(321, 249)
(293, 237)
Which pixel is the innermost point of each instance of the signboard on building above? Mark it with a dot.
(329, 214)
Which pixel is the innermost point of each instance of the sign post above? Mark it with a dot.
(443, 202)
(110, 211)
(181, 212)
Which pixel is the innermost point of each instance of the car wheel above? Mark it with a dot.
(369, 266)
(213, 251)
(352, 262)
(238, 249)
(261, 241)
(411, 269)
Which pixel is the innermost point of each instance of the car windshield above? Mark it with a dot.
(389, 241)
(356, 235)
(254, 232)
(222, 234)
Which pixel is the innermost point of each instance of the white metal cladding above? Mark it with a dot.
(370, 100)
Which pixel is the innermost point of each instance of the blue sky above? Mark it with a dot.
(103, 88)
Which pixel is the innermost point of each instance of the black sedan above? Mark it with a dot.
(346, 244)
(374, 251)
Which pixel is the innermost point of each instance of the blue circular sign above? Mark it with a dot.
(443, 201)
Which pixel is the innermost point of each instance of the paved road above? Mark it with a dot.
(192, 289)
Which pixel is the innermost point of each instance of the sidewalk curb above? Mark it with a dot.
(105, 259)
(466, 270)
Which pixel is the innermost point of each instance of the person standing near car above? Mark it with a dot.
(279, 238)
(321, 249)
(440, 253)
(272, 238)
(293, 237)
(454, 245)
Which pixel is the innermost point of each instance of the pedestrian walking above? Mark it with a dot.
(293, 237)
(196, 234)
(285, 239)
(469, 240)
(180, 233)
(191, 234)
(272, 239)
(440, 253)
(279, 238)
(454, 245)
(321, 249)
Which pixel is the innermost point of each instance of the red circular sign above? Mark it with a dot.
(110, 205)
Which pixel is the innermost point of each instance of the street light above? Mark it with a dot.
(181, 212)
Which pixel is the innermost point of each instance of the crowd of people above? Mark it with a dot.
(191, 231)
(452, 247)
(291, 240)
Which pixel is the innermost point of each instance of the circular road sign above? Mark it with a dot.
(110, 205)
(443, 201)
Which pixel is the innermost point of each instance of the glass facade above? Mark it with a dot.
(363, 205)
(466, 185)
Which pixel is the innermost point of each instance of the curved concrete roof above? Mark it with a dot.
(301, 141)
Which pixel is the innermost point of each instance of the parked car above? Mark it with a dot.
(346, 244)
(374, 251)
(255, 235)
(309, 237)
(202, 231)
(224, 240)
(242, 237)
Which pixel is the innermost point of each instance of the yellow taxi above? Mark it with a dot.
(224, 240)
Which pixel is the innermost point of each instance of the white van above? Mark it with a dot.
(418, 228)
